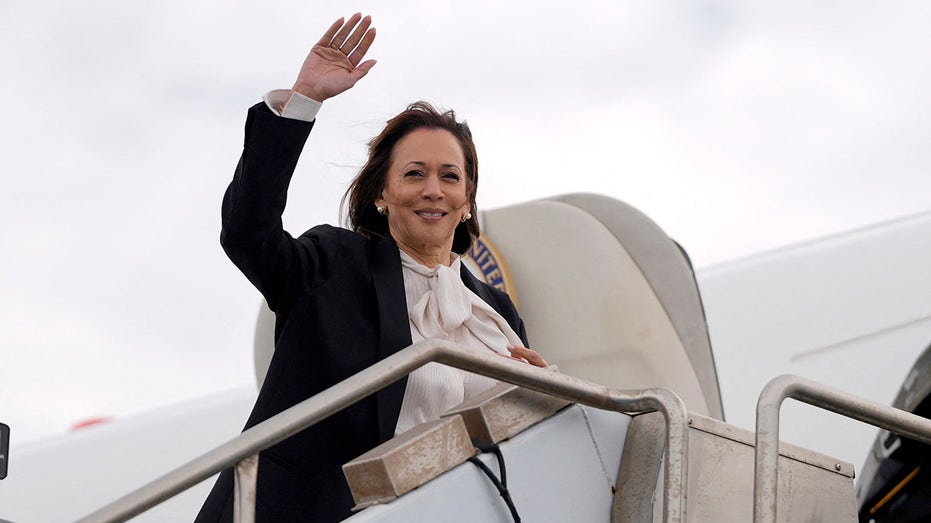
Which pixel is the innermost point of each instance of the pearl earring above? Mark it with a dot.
(467, 217)
(381, 210)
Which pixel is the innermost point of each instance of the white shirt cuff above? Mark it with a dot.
(295, 106)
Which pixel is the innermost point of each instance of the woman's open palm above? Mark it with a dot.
(333, 64)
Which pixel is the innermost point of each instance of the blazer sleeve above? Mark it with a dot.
(280, 266)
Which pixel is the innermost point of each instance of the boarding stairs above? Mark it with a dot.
(704, 473)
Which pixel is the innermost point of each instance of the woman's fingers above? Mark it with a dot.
(528, 355)
(336, 63)
(350, 43)
(344, 31)
(352, 38)
(330, 33)
(356, 56)
(338, 36)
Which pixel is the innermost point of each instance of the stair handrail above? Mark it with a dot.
(766, 454)
(241, 452)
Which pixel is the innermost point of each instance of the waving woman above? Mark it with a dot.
(346, 298)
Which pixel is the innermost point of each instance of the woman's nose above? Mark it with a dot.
(432, 188)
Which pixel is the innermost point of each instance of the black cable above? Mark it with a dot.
(501, 485)
(501, 467)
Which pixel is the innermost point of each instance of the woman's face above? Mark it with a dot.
(425, 191)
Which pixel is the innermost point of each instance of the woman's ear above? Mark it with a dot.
(380, 200)
(381, 206)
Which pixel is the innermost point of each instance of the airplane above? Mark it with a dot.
(851, 311)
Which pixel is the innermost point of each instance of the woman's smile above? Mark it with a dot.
(431, 215)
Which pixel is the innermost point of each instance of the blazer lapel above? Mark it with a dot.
(473, 285)
(394, 329)
(484, 292)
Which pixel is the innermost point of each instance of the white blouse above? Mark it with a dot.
(440, 306)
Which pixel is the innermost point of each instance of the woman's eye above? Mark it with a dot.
(413, 173)
(451, 176)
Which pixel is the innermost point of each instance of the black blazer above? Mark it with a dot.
(340, 307)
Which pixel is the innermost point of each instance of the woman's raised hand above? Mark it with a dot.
(333, 64)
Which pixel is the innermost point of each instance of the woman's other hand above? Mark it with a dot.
(333, 64)
(527, 356)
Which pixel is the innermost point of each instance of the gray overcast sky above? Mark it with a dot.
(737, 126)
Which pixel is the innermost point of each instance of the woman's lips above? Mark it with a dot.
(431, 214)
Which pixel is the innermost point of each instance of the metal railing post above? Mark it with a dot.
(244, 483)
(277, 428)
(675, 474)
(766, 464)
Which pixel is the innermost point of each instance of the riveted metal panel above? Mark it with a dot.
(504, 411)
(407, 461)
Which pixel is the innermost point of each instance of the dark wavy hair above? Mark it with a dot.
(368, 185)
